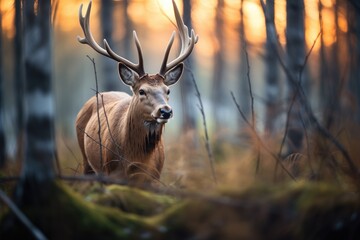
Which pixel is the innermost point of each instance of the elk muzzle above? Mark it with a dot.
(163, 114)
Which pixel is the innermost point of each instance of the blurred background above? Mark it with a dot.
(319, 39)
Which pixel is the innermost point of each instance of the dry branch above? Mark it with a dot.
(97, 111)
(37, 234)
(278, 161)
(207, 141)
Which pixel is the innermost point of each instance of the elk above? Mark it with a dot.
(131, 127)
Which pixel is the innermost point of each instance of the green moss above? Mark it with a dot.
(133, 200)
(301, 210)
(67, 216)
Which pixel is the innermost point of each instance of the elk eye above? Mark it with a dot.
(142, 92)
(168, 92)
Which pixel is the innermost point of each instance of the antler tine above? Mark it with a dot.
(138, 68)
(187, 43)
(85, 25)
(108, 52)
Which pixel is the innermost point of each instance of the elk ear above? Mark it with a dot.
(126, 75)
(172, 76)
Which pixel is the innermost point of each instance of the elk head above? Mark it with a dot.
(151, 90)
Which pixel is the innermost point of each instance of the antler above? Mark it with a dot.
(108, 52)
(187, 43)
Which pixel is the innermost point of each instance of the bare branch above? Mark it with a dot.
(97, 111)
(207, 141)
(278, 161)
(37, 234)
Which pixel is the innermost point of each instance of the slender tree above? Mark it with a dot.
(19, 77)
(218, 91)
(128, 40)
(111, 80)
(295, 50)
(324, 72)
(243, 71)
(354, 53)
(186, 84)
(333, 83)
(2, 130)
(38, 171)
(272, 86)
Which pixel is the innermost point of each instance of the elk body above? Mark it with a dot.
(130, 126)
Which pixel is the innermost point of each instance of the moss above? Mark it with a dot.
(300, 210)
(68, 216)
(133, 200)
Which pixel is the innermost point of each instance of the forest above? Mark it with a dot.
(254, 127)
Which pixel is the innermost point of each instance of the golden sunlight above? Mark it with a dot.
(329, 30)
(280, 20)
(7, 13)
(312, 25)
(150, 15)
(254, 22)
(166, 5)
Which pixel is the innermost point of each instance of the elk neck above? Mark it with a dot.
(142, 136)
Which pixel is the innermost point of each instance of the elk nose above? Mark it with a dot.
(166, 112)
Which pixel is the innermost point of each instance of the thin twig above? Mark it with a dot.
(259, 139)
(94, 178)
(243, 40)
(207, 141)
(21, 216)
(97, 112)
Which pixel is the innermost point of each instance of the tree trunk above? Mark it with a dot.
(324, 72)
(218, 91)
(244, 89)
(2, 130)
(272, 87)
(354, 54)
(333, 83)
(295, 49)
(109, 68)
(186, 84)
(19, 79)
(38, 170)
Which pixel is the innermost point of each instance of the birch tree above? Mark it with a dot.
(38, 170)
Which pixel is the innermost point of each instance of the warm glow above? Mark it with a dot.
(203, 15)
(149, 16)
(166, 5)
(7, 13)
(342, 22)
(327, 3)
(280, 20)
(68, 18)
(329, 30)
(312, 26)
(254, 22)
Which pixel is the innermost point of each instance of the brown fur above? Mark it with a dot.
(132, 146)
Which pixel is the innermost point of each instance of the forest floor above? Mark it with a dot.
(297, 210)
